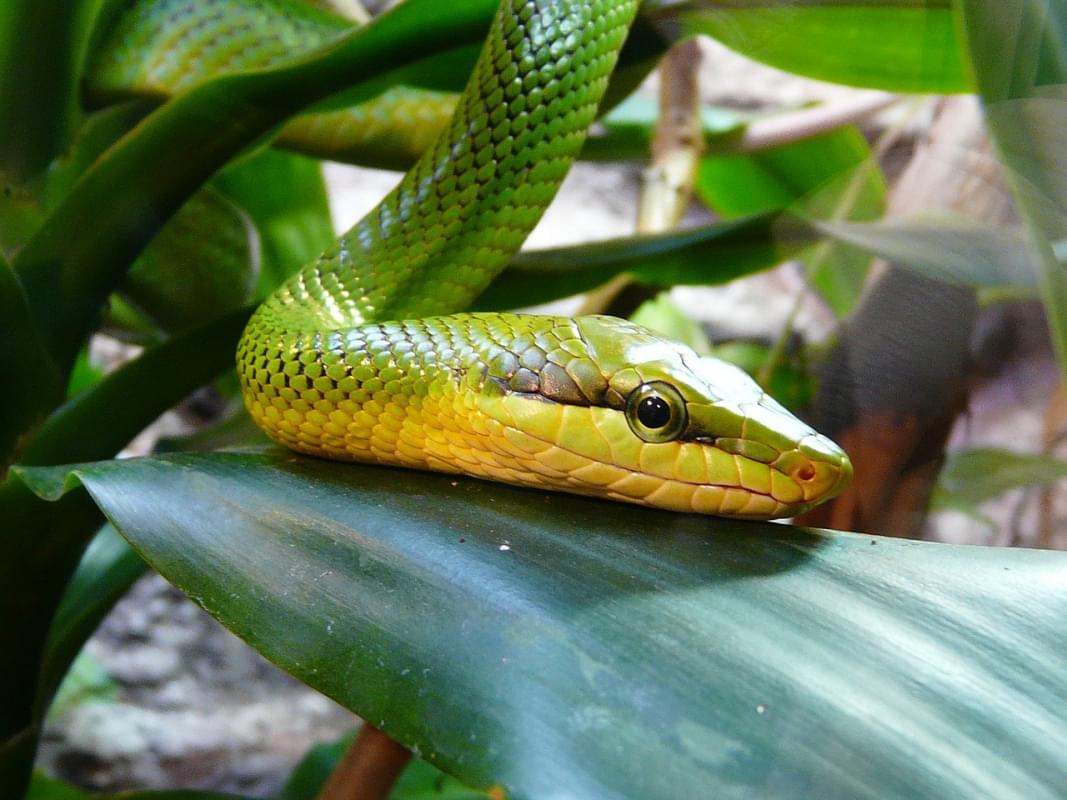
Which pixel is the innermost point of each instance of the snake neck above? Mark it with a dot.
(457, 217)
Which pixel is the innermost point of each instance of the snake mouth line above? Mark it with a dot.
(645, 474)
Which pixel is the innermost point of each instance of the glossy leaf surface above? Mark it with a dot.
(538, 640)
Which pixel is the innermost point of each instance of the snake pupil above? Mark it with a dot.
(654, 412)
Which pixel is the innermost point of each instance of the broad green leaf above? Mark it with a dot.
(537, 641)
(709, 254)
(830, 176)
(285, 196)
(977, 475)
(898, 45)
(203, 264)
(1018, 54)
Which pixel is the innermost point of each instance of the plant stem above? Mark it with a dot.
(368, 769)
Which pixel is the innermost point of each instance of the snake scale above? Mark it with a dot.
(359, 357)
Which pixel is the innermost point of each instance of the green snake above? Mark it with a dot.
(359, 357)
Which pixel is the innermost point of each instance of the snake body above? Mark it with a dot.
(358, 356)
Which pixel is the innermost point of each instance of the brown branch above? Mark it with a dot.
(368, 769)
(667, 183)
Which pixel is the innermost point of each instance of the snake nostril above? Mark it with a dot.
(805, 473)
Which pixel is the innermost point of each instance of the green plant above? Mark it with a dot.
(534, 641)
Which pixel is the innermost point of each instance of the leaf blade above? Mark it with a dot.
(392, 592)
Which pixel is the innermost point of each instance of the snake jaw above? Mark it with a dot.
(743, 456)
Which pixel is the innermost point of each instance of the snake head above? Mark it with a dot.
(665, 427)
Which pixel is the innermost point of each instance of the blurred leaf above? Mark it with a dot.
(790, 382)
(94, 136)
(84, 375)
(980, 474)
(21, 214)
(285, 196)
(383, 122)
(662, 315)
(1018, 54)
(107, 570)
(710, 254)
(315, 768)
(172, 794)
(423, 781)
(86, 681)
(537, 640)
(625, 133)
(24, 364)
(68, 268)
(830, 176)
(236, 429)
(908, 46)
(41, 52)
(948, 248)
(103, 419)
(40, 545)
(735, 184)
(44, 788)
(203, 264)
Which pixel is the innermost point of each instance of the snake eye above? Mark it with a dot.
(656, 412)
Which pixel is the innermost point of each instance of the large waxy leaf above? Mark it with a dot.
(899, 45)
(539, 641)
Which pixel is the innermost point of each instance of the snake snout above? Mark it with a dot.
(820, 468)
